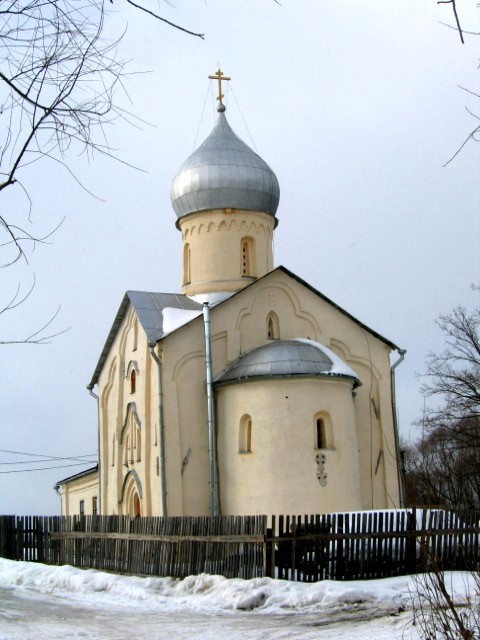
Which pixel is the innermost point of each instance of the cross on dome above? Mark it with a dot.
(218, 75)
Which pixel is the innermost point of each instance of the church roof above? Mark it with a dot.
(154, 312)
(287, 358)
(77, 476)
(224, 173)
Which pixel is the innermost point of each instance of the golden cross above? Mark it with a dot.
(219, 76)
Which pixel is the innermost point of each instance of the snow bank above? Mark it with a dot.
(215, 594)
(205, 593)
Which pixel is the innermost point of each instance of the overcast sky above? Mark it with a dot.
(356, 107)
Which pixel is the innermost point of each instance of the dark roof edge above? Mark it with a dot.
(109, 341)
(82, 474)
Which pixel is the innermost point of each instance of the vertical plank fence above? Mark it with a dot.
(308, 548)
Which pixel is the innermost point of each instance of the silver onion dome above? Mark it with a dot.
(224, 173)
(290, 358)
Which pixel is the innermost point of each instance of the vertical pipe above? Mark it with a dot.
(401, 488)
(161, 432)
(212, 463)
(99, 497)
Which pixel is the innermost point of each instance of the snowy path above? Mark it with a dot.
(40, 602)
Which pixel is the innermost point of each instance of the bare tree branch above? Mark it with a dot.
(171, 24)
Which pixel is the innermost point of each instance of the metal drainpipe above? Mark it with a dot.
(161, 432)
(99, 506)
(401, 353)
(210, 414)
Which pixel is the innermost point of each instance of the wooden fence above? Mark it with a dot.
(232, 546)
(372, 544)
(342, 546)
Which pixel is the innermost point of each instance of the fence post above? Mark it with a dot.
(411, 551)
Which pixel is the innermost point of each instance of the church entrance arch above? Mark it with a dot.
(132, 495)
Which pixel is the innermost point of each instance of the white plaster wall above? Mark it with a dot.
(85, 488)
(279, 475)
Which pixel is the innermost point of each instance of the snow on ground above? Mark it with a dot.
(39, 601)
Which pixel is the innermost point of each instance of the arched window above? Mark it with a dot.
(245, 434)
(133, 381)
(323, 437)
(186, 263)
(273, 326)
(247, 266)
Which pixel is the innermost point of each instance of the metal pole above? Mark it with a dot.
(212, 463)
(401, 488)
(161, 432)
(99, 505)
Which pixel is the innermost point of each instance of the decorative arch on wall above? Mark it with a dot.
(323, 431)
(245, 434)
(342, 350)
(131, 411)
(273, 326)
(132, 365)
(316, 330)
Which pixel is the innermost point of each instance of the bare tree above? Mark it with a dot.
(441, 472)
(475, 132)
(59, 78)
(442, 469)
(453, 378)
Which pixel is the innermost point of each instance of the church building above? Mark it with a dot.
(249, 392)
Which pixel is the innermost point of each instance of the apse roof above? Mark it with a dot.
(290, 358)
(224, 173)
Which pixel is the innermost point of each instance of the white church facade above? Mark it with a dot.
(249, 392)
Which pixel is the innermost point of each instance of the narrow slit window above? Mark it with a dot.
(245, 439)
(186, 263)
(247, 257)
(321, 434)
(273, 326)
(133, 381)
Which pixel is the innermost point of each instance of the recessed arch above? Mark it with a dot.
(245, 434)
(131, 495)
(323, 431)
(131, 410)
(273, 326)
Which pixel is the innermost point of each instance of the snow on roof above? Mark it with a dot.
(339, 367)
(174, 318)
